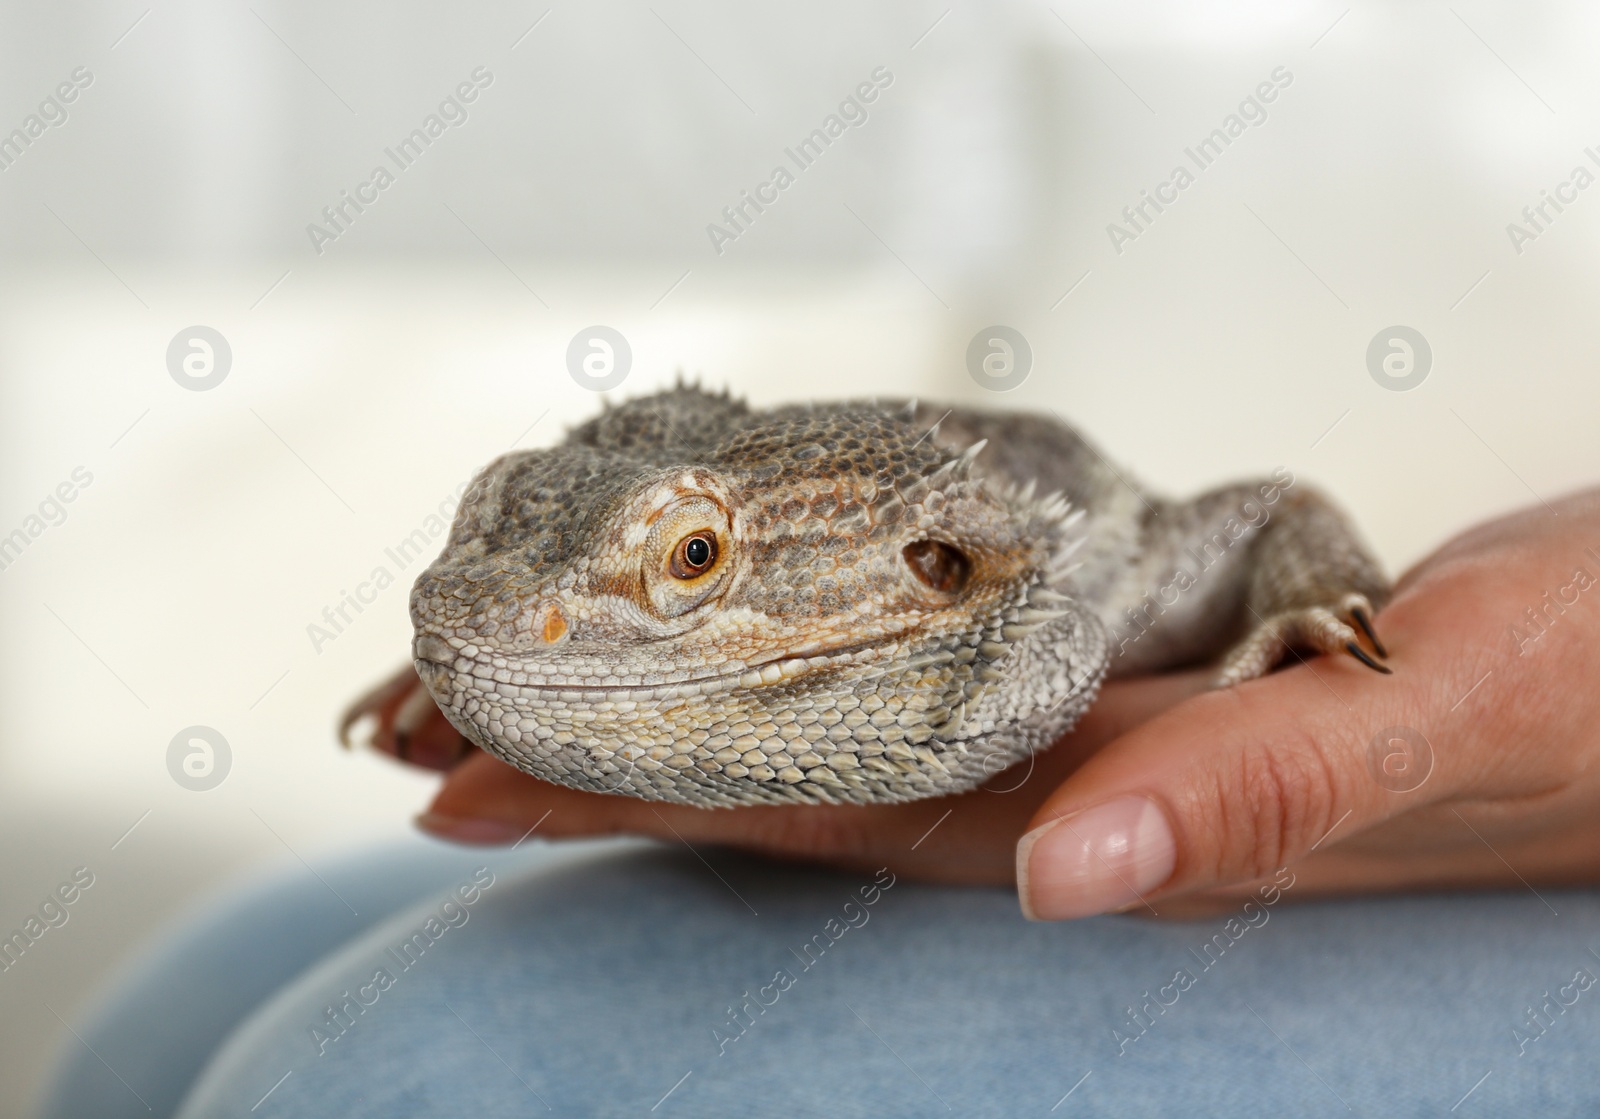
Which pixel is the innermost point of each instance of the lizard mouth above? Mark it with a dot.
(434, 657)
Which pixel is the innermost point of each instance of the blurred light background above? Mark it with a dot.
(370, 378)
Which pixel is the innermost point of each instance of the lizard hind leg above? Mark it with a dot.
(1312, 586)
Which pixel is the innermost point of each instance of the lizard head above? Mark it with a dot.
(821, 605)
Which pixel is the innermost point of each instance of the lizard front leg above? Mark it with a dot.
(1312, 585)
(1250, 572)
(406, 723)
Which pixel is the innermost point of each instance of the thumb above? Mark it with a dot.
(1223, 789)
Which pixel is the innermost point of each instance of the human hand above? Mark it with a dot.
(1198, 805)
(1474, 765)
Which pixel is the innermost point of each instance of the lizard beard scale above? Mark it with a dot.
(695, 601)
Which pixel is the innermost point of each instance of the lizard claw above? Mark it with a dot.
(1323, 629)
(1360, 654)
(1360, 616)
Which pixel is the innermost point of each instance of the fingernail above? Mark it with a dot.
(460, 829)
(1103, 858)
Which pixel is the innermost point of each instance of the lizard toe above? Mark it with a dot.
(1320, 629)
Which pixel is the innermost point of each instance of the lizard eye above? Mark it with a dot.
(694, 555)
(941, 566)
(689, 554)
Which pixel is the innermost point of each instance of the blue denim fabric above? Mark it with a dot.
(160, 1020)
(654, 983)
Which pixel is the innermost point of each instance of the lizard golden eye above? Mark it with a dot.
(694, 555)
(941, 566)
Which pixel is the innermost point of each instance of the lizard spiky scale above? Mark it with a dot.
(876, 607)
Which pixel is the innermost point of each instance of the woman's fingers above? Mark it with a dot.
(486, 801)
(1225, 790)
(1469, 757)
(1242, 781)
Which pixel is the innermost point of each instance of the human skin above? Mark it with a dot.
(1172, 798)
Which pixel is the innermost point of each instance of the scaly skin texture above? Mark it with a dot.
(692, 601)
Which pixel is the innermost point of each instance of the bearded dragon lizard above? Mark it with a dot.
(695, 601)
